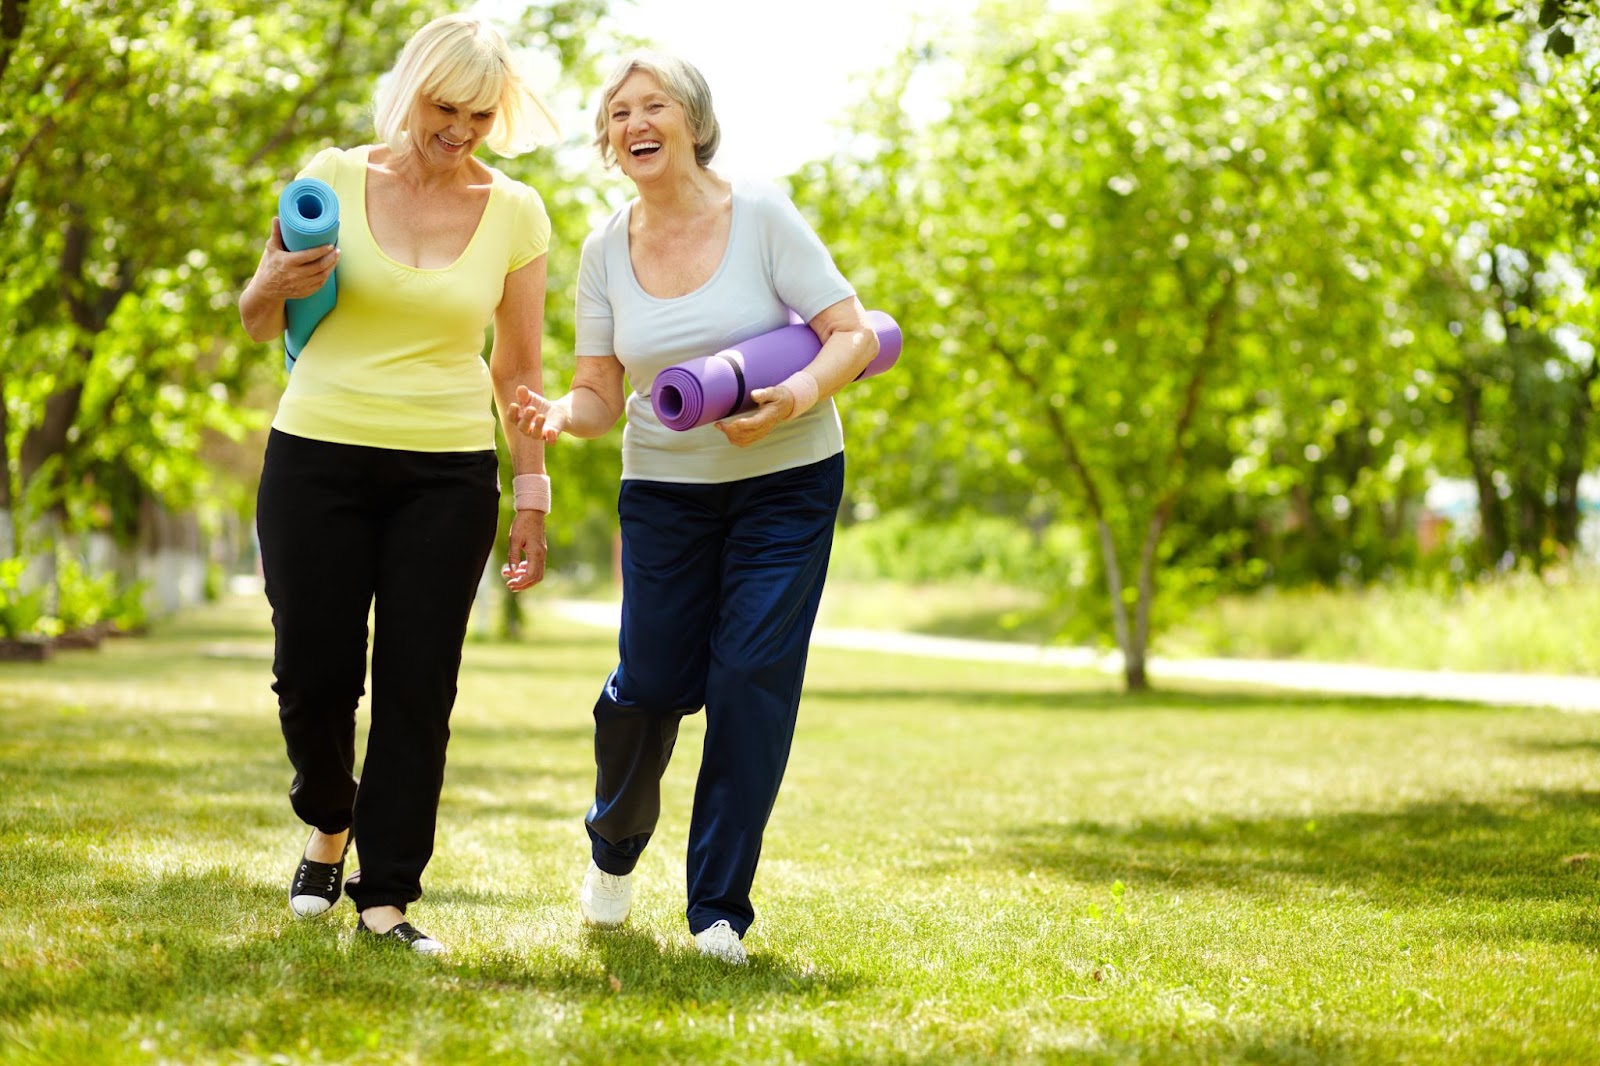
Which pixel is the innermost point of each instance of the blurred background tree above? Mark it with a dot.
(1228, 284)
(144, 145)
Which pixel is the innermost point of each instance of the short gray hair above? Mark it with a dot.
(680, 80)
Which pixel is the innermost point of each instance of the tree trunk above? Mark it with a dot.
(1568, 514)
(13, 15)
(91, 307)
(1493, 535)
(1129, 641)
(1133, 671)
(49, 437)
(8, 529)
(5, 452)
(1135, 660)
(1134, 648)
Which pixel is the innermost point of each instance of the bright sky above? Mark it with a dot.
(779, 84)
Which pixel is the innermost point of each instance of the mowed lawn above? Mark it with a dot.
(968, 863)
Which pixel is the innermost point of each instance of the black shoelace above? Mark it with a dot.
(317, 878)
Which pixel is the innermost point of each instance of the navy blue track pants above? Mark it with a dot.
(346, 530)
(720, 588)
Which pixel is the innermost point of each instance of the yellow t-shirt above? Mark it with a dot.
(398, 362)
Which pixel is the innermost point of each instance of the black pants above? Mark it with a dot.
(346, 530)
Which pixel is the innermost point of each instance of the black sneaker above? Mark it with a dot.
(404, 934)
(316, 885)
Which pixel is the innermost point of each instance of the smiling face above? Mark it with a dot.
(648, 131)
(445, 135)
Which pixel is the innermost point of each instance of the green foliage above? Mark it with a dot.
(1152, 274)
(1220, 286)
(1228, 284)
(142, 148)
(22, 609)
(127, 612)
(1561, 22)
(127, 261)
(1519, 622)
(82, 599)
(1512, 209)
(902, 546)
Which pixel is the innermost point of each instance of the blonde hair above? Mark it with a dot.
(680, 80)
(465, 62)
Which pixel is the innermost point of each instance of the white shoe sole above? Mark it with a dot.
(309, 906)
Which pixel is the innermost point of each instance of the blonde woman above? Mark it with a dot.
(379, 488)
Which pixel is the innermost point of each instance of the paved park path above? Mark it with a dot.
(1523, 690)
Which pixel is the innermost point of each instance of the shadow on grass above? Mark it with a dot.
(215, 954)
(1423, 854)
(644, 966)
(1558, 747)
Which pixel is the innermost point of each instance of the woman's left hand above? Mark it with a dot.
(773, 406)
(525, 552)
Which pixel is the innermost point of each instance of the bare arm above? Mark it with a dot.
(515, 360)
(282, 275)
(848, 345)
(594, 405)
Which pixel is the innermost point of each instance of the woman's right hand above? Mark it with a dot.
(286, 275)
(538, 417)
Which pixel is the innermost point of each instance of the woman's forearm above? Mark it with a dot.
(589, 415)
(262, 315)
(844, 355)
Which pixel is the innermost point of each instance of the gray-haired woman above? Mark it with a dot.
(726, 529)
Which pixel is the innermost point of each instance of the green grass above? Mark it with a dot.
(1518, 623)
(966, 608)
(966, 864)
(1513, 624)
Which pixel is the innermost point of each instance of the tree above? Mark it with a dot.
(121, 264)
(1146, 253)
(1518, 220)
(142, 147)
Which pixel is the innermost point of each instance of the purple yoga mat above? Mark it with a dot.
(700, 391)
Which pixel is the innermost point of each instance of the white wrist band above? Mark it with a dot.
(531, 492)
(803, 387)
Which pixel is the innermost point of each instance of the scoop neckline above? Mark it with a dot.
(477, 231)
(722, 264)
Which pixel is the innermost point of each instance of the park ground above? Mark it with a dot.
(970, 861)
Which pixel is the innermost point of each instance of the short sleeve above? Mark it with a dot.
(594, 327)
(531, 234)
(324, 165)
(802, 270)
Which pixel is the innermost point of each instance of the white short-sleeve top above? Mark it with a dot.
(774, 262)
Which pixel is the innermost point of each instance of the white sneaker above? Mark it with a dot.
(606, 898)
(721, 942)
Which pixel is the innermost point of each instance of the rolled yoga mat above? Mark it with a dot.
(308, 216)
(700, 391)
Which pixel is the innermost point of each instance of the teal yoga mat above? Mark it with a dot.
(308, 216)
